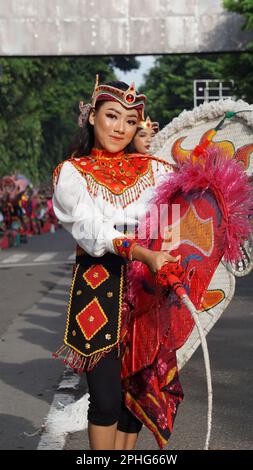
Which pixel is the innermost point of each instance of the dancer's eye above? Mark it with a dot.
(111, 116)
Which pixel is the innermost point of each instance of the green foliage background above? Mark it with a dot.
(169, 84)
(39, 97)
(39, 108)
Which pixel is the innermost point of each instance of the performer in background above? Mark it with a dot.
(98, 189)
(144, 136)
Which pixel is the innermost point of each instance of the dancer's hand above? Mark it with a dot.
(153, 259)
(156, 259)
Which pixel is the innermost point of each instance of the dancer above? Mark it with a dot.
(97, 191)
(144, 136)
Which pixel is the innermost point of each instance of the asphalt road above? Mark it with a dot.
(34, 290)
(31, 328)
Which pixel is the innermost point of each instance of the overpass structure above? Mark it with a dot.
(94, 27)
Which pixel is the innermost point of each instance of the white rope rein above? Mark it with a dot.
(188, 303)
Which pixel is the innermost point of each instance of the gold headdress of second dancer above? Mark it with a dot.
(148, 124)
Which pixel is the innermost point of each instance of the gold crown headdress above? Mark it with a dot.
(148, 124)
(128, 98)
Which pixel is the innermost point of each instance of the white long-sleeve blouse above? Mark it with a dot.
(92, 215)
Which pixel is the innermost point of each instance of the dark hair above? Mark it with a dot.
(131, 146)
(84, 142)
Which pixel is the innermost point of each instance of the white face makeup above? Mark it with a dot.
(114, 126)
(142, 140)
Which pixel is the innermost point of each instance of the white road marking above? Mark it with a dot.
(45, 256)
(44, 259)
(69, 380)
(33, 265)
(65, 415)
(52, 438)
(15, 258)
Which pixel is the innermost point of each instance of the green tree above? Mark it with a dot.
(239, 66)
(39, 99)
(125, 62)
(169, 84)
(20, 124)
(243, 7)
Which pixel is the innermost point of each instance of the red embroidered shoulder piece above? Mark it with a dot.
(121, 177)
(117, 172)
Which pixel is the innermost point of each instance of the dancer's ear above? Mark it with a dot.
(92, 117)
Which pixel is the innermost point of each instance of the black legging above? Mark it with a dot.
(107, 405)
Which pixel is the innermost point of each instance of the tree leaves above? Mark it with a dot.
(39, 108)
(169, 83)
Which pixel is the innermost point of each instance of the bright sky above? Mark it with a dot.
(136, 76)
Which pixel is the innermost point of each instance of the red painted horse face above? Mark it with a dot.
(225, 148)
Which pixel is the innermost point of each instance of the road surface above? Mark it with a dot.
(35, 279)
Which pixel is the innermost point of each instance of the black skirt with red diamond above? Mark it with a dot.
(95, 310)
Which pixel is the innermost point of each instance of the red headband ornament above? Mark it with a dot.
(128, 98)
